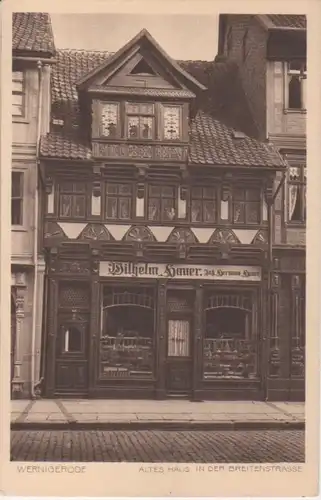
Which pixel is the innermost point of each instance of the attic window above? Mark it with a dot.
(143, 68)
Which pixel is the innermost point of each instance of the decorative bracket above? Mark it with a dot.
(49, 184)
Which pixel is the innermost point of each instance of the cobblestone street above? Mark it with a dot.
(158, 446)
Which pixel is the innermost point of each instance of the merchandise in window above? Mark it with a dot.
(119, 201)
(17, 198)
(297, 194)
(18, 93)
(246, 206)
(161, 203)
(140, 121)
(203, 204)
(72, 200)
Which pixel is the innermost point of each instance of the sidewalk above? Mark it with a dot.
(145, 414)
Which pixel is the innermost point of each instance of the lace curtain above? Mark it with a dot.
(293, 196)
(178, 338)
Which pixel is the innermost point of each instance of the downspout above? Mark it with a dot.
(35, 234)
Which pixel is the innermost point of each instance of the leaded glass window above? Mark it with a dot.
(172, 122)
(109, 119)
(247, 205)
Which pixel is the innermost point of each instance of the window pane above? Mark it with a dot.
(16, 212)
(155, 190)
(146, 127)
(253, 213)
(178, 338)
(17, 184)
(168, 191)
(238, 212)
(124, 208)
(168, 212)
(109, 119)
(79, 206)
(172, 122)
(295, 94)
(209, 211)
(78, 187)
(111, 208)
(253, 195)
(133, 127)
(65, 205)
(196, 214)
(239, 194)
(196, 192)
(153, 209)
(66, 187)
(125, 189)
(112, 188)
(209, 193)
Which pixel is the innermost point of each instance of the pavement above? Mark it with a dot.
(180, 447)
(102, 414)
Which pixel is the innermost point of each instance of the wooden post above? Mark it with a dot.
(197, 360)
(94, 328)
(161, 340)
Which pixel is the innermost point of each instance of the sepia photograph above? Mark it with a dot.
(158, 229)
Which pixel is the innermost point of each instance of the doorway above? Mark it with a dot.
(179, 345)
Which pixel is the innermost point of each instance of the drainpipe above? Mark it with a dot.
(35, 234)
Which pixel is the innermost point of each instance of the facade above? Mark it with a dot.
(156, 223)
(270, 52)
(32, 54)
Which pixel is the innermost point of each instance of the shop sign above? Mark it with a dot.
(114, 269)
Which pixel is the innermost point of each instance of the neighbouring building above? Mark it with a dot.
(32, 53)
(155, 232)
(270, 52)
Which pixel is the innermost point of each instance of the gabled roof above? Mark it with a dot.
(143, 37)
(32, 33)
(222, 109)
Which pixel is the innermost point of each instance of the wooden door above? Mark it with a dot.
(179, 355)
(72, 355)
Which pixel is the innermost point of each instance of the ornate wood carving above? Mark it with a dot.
(53, 230)
(75, 267)
(95, 232)
(182, 235)
(140, 151)
(139, 233)
(225, 236)
(261, 238)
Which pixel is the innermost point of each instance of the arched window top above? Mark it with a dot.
(128, 298)
(234, 301)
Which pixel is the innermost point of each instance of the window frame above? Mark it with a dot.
(132, 197)
(128, 114)
(22, 93)
(60, 192)
(147, 198)
(21, 198)
(246, 188)
(288, 74)
(217, 204)
(301, 182)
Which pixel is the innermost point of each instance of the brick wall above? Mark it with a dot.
(251, 62)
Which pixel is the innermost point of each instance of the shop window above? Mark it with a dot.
(119, 200)
(246, 206)
(17, 184)
(203, 204)
(18, 94)
(230, 345)
(296, 81)
(127, 333)
(172, 118)
(72, 200)
(110, 119)
(162, 203)
(140, 121)
(297, 194)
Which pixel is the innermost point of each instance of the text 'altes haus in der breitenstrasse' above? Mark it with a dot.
(163, 221)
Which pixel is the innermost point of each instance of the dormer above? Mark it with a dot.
(140, 97)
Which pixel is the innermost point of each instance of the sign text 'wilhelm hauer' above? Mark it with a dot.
(113, 269)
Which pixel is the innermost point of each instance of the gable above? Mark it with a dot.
(140, 63)
(142, 71)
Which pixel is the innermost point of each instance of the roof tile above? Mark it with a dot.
(288, 20)
(31, 32)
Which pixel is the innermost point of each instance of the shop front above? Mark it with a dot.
(155, 330)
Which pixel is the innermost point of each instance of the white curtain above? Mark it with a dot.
(178, 338)
(293, 194)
